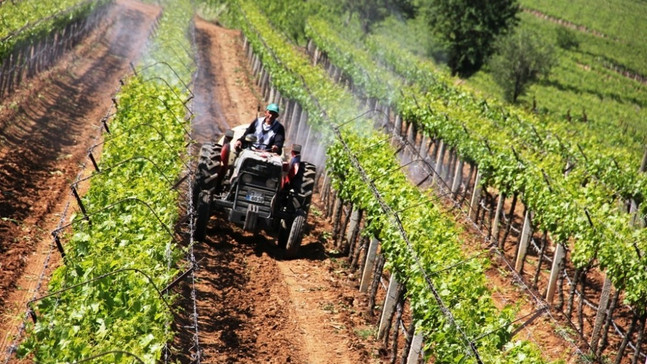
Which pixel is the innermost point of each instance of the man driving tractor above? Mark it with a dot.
(269, 132)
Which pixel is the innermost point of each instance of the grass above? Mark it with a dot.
(365, 332)
(587, 80)
(582, 83)
(622, 21)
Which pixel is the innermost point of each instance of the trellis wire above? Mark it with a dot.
(41, 278)
(197, 355)
(446, 312)
(519, 279)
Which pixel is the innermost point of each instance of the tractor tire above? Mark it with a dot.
(203, 214)
(201, 171)
(308, 185)
(208, 164)
(296, 234)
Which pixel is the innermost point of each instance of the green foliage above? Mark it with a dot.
(290, 16)
(566, 39)
(131, 206)
(467, 29)
(589, 77)
(435, 244)
(521, 58)
(370, 12)
(433, 235)
(27, 21)
(619, 25)
(482, 131)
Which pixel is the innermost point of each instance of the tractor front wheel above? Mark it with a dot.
(203, 213)
(296, 234)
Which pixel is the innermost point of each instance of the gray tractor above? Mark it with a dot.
(247, 186)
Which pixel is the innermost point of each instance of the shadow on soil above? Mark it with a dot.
(222, 283)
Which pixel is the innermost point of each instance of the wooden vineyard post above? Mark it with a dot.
(315, 56)
(302, 122)
(270, 98)
(451, 160)
(424, 147)
(264, 80)
(555, 271)
(296, 115)
(337, 216)
(289, 109)
(370, 265)
(387, 116)
(324, 192)
(438, 167)
(416, 349)
(476, 196)
(643, 163)
(390, 301)
(412, 134)
(397, 126)
(307, 147)
(495, 224)
(601, 314)
(302, 132)
(256, 66)
(526, 233)
(458, 177)
(278, 99)
(351, 234)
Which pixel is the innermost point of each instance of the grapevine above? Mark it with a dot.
(123, 313)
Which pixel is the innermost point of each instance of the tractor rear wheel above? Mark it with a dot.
(203, 213)
(208, 164)
(308, 185)
(296, 234)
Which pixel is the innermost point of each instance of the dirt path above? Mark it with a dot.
(45, 130)
(224, 94)
(253, 305)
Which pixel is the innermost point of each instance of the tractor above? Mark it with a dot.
(247, 185)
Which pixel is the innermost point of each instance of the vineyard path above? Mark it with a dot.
(255, 306)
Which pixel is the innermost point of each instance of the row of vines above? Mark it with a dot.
(110, 300)
(33, 35)
(457, 323)
(576, 190)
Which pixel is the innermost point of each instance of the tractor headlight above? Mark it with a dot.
(270, 183)
(247, 178)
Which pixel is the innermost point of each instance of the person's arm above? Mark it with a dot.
(251, 129)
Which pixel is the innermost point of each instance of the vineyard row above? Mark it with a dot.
(108, 302)
(35, 48)
(568, 200)
(444, 343)
(451, 171)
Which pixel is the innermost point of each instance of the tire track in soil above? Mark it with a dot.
(45, 130)
(253, 305)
